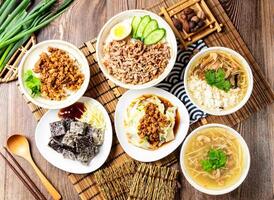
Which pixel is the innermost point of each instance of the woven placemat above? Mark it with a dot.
(108, 94)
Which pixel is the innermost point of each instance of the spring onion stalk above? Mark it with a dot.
(23, 5)
(17, 23)
(13, 50)
(11, 25)
(5, 55)
(3, 6)
(7, 10)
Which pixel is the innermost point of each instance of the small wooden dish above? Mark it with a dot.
(185, 38)
(10, 71)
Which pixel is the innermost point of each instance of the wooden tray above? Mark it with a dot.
(10, 71)
(211, 24)
(108, 94)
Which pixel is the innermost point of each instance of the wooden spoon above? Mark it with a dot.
(19, 145)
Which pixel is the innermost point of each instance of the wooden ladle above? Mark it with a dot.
(19, 145)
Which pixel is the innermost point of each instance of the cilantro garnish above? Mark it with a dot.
(217, 79)
(33, 83)
(216, 159)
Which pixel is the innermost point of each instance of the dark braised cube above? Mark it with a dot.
(69, 154)
(87, 154)
(56, 145)
(82, 142)
(57, 128)
(69, 139)
(97, 135)
(78, 128)
(67, 123)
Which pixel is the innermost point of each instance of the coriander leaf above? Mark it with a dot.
(216, 159)
(226, 86)
(206, 165)
(217, 79)
(220, 75)
(210, 77)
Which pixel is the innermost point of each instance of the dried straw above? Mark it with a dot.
(154, 183)
(114, 182)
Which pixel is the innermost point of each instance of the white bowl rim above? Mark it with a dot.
(153, 82)
(217, 191)
(74, 98)
(250, 77)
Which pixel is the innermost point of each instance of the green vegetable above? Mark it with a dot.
(151, 26)
(32, 83)
(17, 23)
(155, 36)
(217, 79)
(216, 160)
(134, 24)
(144, 21)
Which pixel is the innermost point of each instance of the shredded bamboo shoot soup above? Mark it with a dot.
(218, 81)
(214, 158)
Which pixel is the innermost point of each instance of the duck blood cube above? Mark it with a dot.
(67, 123)
(87, 154)
(82, 142)
(69, 139)
(97, 135)
(69, 154)
(57, 128)
(78, 127)
(55, 145)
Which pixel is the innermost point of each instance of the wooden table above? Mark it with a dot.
(254, 20)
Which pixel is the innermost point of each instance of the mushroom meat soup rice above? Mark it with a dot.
(214, 158)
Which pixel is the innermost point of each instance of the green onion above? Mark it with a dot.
(7, 10)
(17, 23)
(23, 5)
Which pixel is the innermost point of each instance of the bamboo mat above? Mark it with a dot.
(108, 94)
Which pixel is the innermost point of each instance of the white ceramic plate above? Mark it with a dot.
(42, 137)
(144, 155)
(32, 56)
(170, 38)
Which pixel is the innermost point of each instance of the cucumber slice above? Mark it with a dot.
(134, 24)
(151, 26)
(155, 36)
(145, 20)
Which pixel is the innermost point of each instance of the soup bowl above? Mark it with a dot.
(203, 94)
(235, 182)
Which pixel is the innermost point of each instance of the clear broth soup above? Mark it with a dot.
(197, 150)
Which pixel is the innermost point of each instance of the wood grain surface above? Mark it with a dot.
(255, 21)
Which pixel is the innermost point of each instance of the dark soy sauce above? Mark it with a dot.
(75, 111)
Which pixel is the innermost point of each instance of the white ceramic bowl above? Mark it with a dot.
(244, 64)
(170, 38)
(141, 154)
(246, 156)
(32, 56)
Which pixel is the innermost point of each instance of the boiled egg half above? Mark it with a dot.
(121, 30)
